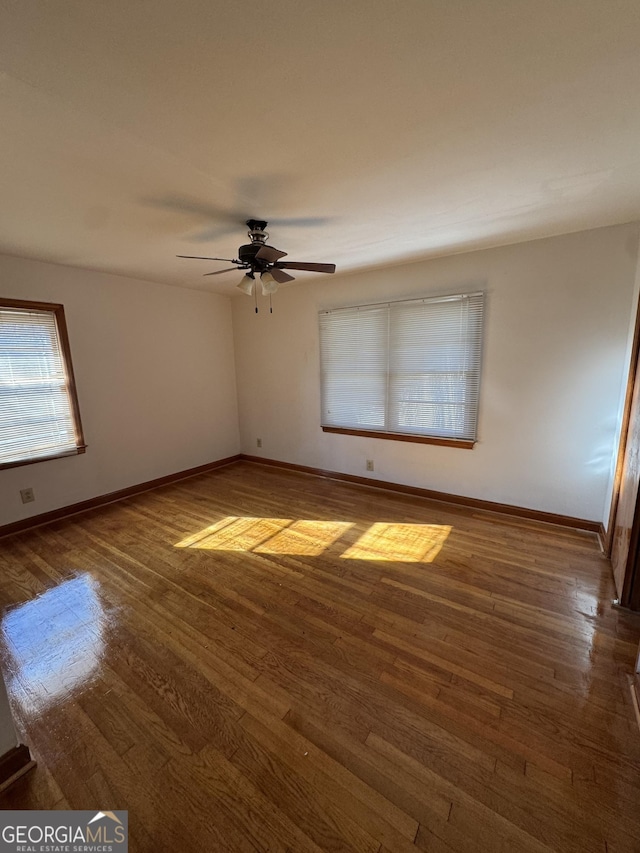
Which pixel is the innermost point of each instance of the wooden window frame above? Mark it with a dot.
(464, 443)
(63, 338)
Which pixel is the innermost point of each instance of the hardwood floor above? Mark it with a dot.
(255, 659)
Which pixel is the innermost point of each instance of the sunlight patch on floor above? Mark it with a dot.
(268, 535)
(406, 543)
(306, 538)
(236, 533)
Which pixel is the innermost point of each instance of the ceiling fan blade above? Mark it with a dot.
(294, 265)
(194, 207)
(200, 258)
(301, 222)
(269, 254)
(281, 276)
(219, 272)
(208, 235)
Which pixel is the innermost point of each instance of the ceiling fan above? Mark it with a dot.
(257, 258)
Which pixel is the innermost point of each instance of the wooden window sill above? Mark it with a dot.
(18, 462)
(464, 444)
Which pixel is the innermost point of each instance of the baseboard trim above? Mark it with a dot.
(442, 497)
(111, 497)
(369, 482)
(603, 539)
(14, 764)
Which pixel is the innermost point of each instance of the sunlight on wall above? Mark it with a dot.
(412, 543)
(407, 543)
(55, 643)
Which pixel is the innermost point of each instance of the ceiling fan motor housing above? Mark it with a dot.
(247, 255)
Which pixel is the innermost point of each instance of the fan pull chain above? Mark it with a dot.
(270, 305)
(255, 293)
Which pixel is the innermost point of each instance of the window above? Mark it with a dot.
(405, 370)
(39, 415)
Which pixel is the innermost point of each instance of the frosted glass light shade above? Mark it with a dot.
(246, 285)
(269, 284)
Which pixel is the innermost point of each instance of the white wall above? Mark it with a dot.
(155, 372)
(155, 375)
(557, 324)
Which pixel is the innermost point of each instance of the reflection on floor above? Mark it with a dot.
(54, 643)
(262, 660)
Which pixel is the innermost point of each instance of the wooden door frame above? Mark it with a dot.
(624, 432)
(631, 586)
(635, 689)
(631, 589)
(630, 596)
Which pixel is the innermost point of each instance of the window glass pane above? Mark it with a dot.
(36, 413)
(354, 368)
(407, 367)
(434, 364)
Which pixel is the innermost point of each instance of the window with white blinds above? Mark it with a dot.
(39, 416)
(406, 368)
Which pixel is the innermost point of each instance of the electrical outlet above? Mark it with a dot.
(258, 442)
(27, 496)
(369, 464)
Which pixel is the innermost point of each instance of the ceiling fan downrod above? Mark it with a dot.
(257, 230)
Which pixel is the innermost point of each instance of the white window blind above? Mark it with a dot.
(411, 368)
(36, 411)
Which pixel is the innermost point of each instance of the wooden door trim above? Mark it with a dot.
(635, 690)
(14, 764)
(630, 591)
(624, 434)
(631, 587)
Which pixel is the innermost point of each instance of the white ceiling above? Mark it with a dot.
(135, 130)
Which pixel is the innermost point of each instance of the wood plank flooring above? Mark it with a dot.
(260, 660)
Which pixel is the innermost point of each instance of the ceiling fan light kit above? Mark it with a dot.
(269, 284)
(258, 258)
(246, 284)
